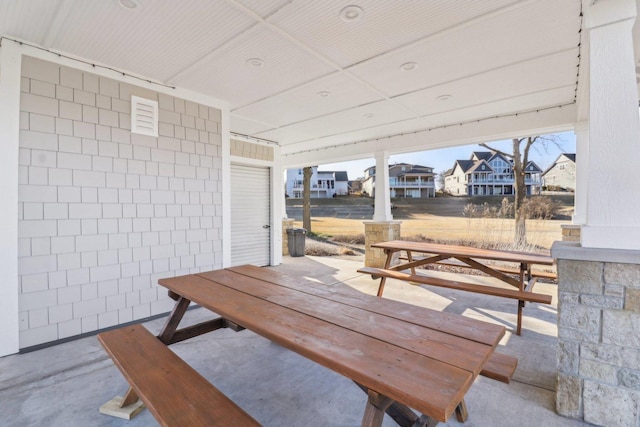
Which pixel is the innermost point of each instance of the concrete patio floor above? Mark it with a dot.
(64, 385)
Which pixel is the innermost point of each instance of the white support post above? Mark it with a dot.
(582, 173)
(10, 63)
(613, 199)
(382, 211)
(279, 208)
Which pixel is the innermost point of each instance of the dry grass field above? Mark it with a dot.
(441, 219)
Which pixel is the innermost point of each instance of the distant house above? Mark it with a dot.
(324, 184)
(405, 180)
(561, 175)
(488, 173)
(355, 186)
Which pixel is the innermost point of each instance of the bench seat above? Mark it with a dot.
(508, 270)
(462, 286)
(500, 367)
(172, 390)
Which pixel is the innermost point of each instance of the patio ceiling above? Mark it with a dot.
(317, 73)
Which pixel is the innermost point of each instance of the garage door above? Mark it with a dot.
(250, 215)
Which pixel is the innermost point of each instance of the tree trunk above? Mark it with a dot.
(520, 237)
(306, 199)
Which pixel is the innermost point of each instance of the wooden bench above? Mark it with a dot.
(522, 296)
(500, 367)
(540, 274)
(172, 390)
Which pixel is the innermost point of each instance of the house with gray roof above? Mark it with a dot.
(324, 184)
(488, 173)
(405, 180)
(561, 175)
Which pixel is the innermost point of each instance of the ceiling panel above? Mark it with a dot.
(158, 39)
(510, 36)
(520, 104)
(246, 126)
(515, 80)
(228, 76)
(384, 25)
(368, 134)
(263, 8)
(27, 20)
(330, 94)
(362, 117)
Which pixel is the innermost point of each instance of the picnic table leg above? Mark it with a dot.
(377, 404)
(387, 263)
(461, 412)
(174, 319)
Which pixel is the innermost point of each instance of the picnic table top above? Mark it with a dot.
(419, 357)
(466, 251)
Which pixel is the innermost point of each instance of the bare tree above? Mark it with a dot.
(306, 198)
(520, 157)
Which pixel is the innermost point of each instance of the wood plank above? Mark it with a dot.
(437, 345)
(454, 250)
(390, 370)
(500, 367)
(471, 329)
(508, 270)
(461, 286)
(173, 391)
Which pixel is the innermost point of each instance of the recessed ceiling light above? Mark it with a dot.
(255, 62)
(129, 4)
(409, 66)
(323, 94)
(351, 13)
(444, 97)
(367, 115)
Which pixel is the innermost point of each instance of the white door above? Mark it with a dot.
(250, 215)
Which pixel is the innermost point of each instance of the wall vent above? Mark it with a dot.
(144, 116)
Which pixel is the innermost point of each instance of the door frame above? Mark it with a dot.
(276, 199)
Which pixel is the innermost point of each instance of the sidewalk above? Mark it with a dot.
(64, 385)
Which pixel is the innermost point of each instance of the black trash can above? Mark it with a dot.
(295, 240)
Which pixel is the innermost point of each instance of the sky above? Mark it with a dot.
(442, 159)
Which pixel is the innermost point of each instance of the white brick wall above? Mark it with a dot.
(104, 213)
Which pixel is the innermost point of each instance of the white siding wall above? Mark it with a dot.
(104, 213)
(455, 184)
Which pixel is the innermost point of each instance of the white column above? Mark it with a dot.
(10, 59)
(582, 173)
(613, 198)
(382, 199)
(279, 208)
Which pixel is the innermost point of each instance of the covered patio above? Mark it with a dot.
(148, 139)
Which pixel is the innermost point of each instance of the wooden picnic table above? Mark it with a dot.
(421, 253)
(401, 355)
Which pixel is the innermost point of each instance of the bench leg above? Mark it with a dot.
(129, 398)
(377, 404)
(461, 412)
(125, 407)
(519, 324)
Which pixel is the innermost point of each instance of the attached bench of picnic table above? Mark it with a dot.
(172, 390)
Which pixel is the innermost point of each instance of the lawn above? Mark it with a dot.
(440, 219)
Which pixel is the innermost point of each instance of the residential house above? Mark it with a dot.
(561, 175)
(405, 180)
(488, 173)
(324, 184)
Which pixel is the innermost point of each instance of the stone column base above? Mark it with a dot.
(287, 223)
(599, 344)
(570, 232)
(376, 232)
